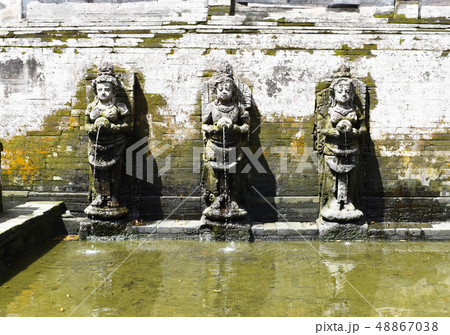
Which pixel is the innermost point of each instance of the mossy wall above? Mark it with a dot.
(45, 75)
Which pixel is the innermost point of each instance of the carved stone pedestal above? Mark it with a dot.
(357, 230)
(102, 228)
(106, 213)
(233, 230)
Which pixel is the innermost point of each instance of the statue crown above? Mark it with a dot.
(225, 71)
(106, 69)
(342, 72)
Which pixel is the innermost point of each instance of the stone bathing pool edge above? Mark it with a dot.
(28, 225)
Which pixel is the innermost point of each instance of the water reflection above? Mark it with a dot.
(187, 278)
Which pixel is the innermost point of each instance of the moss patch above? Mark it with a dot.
(368, 80)
(402, 19)
(355, 53)
(284, 23)
(157, 39)
(208, 73)
(50, 36)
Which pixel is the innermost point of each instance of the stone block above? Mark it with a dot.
(167, 227)
(284, 229)
(389, 232)
(149, 229)
(402, 233)
(258, 230)
(415, 232)
(270, 229)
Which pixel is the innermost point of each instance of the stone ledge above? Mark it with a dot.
(28, 225)
(182, 229)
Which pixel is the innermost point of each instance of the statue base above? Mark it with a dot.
(333, 213)
(348, 231)
(215, 213)
(106, 213)
(102, 228)
(230, 230)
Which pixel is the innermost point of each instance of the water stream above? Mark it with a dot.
(95, 153)
(191, 278)
(225, 178)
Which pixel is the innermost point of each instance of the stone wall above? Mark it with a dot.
(281, 52)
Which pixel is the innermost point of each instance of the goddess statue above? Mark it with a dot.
(339, 132)
(107, 125)
(225, 127)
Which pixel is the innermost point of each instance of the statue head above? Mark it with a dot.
(342, 88)
(224, 85)
(106, 85)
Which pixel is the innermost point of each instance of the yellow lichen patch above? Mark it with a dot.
(19, 166)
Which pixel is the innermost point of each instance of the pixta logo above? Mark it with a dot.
(141, 159)
(141, 155)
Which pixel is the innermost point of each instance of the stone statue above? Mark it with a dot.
(225, 127)
(107, 125)
(340, 128)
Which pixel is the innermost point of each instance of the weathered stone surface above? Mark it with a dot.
(91, 228)
(342, 231)
(286, 231)
(281, 53)
(238, 230)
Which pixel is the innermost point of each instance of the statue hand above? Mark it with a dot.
(102, 123)
(242, 129)
(333, 132)
(344, 126)
(114, 128)
(216, 128)
(224, 122)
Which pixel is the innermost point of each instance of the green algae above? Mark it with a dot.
(354, 53)
(219, 279)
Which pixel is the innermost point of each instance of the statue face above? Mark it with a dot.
(105, 91)
(342, 93)
(225, 91)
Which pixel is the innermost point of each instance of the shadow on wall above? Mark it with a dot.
(372, 195)
(143, 196)
(262, 185)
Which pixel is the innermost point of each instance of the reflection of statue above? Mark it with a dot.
(339, 129)
(107, 122)
(225, 126)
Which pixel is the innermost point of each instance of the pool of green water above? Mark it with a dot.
(192, 278)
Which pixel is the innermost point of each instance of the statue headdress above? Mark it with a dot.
(340, 75)
(224, 73)
(105, 73)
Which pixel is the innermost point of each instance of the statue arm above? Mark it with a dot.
(325, 128)
(362, 129)
(245, 127)
(124, 125)
(207, 121)
(89, 125)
